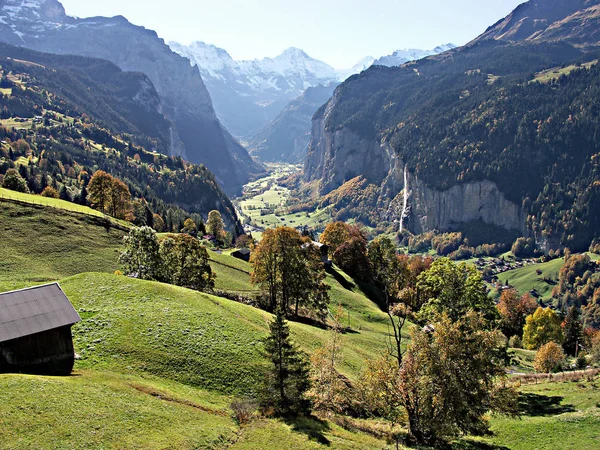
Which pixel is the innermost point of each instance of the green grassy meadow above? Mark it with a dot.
(158, 365)
(527, 278)
(562, 415)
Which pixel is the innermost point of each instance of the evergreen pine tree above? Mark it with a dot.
(573, 331)
(287, 378)
(82, 200)
(64, 193)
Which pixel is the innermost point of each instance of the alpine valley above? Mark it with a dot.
(200, 252)
(502, 133)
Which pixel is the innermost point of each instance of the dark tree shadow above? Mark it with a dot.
(467, 444)
(340, 278)
(542, 405)
(313, 427)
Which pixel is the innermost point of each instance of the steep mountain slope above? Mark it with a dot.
(287, 137)
(64, 117)
(575, 21)
(249, 94)
(468, 136)
(196, 133)
(400, 57)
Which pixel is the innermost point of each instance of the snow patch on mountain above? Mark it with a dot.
(403, 56)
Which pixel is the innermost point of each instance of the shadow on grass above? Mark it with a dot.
(340, 278)
(313, 427)
(542, 405)
(467, 444)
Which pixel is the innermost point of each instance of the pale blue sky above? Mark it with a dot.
(339, 32)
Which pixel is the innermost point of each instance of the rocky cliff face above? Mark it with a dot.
(336, 157)
(196, 134)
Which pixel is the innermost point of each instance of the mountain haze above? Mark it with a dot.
(196, 133)
(249, 94)
(287, 137)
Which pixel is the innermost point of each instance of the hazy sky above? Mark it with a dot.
(339, 32)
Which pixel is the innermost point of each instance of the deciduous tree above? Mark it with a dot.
(549, 358)
(289, 270)
(541, 327)
(448, 380)
(453, 289)
(99, 190)
(329, 390)
(141, 255)
(49, 192)
(185, 262)
(15, 182)
(215, 225)
(513, 310)
(348, 248)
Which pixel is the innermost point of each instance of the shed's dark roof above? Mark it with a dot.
(242, 251)
(33, 310)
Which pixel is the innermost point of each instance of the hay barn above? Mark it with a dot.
(243, 254)
(35, 331)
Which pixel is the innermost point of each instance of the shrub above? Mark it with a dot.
(549, 358)
(515, 342)
(49, 192)
(243, 410)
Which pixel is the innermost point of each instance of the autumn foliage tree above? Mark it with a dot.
(329, 390)
(215, 225)
(549, 358)
(542, 327)
(448, 382)
(348, 247)
(289, 270)
(109, 195)
(442, 402)
(50, 192)
(513, 310)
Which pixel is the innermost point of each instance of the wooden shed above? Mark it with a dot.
(35, 331)
(243, 254)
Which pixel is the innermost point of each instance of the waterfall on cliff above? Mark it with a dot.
(404, 215)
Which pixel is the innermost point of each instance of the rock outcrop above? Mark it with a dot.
(336, 157)
(196, 134)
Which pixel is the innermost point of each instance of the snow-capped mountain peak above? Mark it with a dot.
(32, 10)
(360, 66)
(402, 56)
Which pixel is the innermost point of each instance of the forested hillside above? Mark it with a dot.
(522, 115)
(66, 117)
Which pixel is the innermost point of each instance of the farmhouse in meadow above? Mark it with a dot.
(35, 331)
